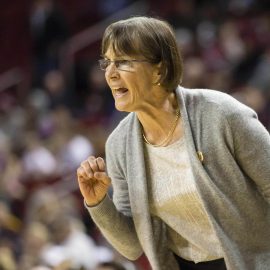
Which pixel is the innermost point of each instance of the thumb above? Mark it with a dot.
(102, 176)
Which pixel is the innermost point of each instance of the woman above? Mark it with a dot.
(189, 167)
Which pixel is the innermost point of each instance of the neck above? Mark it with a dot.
(159, 119)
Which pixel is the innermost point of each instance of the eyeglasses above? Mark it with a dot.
(125, 65)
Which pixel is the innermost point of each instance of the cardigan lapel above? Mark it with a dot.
(204, 183)
(194, 142)
(190, 140)
(136, 176)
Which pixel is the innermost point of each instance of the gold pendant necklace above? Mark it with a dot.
(168, 137)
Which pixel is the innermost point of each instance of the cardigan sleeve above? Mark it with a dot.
(113, 217)
(252, 148)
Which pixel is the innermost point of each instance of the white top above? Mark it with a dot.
(173, 197)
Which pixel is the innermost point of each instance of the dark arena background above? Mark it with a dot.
(56, 110)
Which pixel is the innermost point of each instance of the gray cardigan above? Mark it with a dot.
(233, 182)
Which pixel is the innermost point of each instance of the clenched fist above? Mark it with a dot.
(93, 180)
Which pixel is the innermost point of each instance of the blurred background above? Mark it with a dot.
(56, 110)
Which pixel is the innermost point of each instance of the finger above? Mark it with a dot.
(88, 170)
(81, 173)
(101, 164)
(103, 177)
(93, 163)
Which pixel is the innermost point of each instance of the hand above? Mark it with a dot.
(93, 180)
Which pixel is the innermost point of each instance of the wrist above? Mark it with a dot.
(93, 204)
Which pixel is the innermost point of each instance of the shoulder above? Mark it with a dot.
(216, 102)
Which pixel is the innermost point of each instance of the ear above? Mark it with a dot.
(157, 73)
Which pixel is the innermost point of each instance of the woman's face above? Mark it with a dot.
(132, 83)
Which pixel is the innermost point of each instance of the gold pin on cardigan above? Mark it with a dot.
(200, 156)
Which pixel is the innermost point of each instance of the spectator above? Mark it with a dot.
(110, 266)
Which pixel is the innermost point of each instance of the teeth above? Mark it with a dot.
(120, 89)
(119, 92)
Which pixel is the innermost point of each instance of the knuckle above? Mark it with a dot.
(84, 163)
(79, 170)
(100, 161)
(93, 163)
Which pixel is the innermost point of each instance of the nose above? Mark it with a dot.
(111, 71)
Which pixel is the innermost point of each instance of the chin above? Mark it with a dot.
(122, 107)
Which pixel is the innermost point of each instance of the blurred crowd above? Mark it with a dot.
(67, 115)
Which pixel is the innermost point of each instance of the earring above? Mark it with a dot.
(158, 84)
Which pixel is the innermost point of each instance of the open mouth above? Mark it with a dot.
(119, 92)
